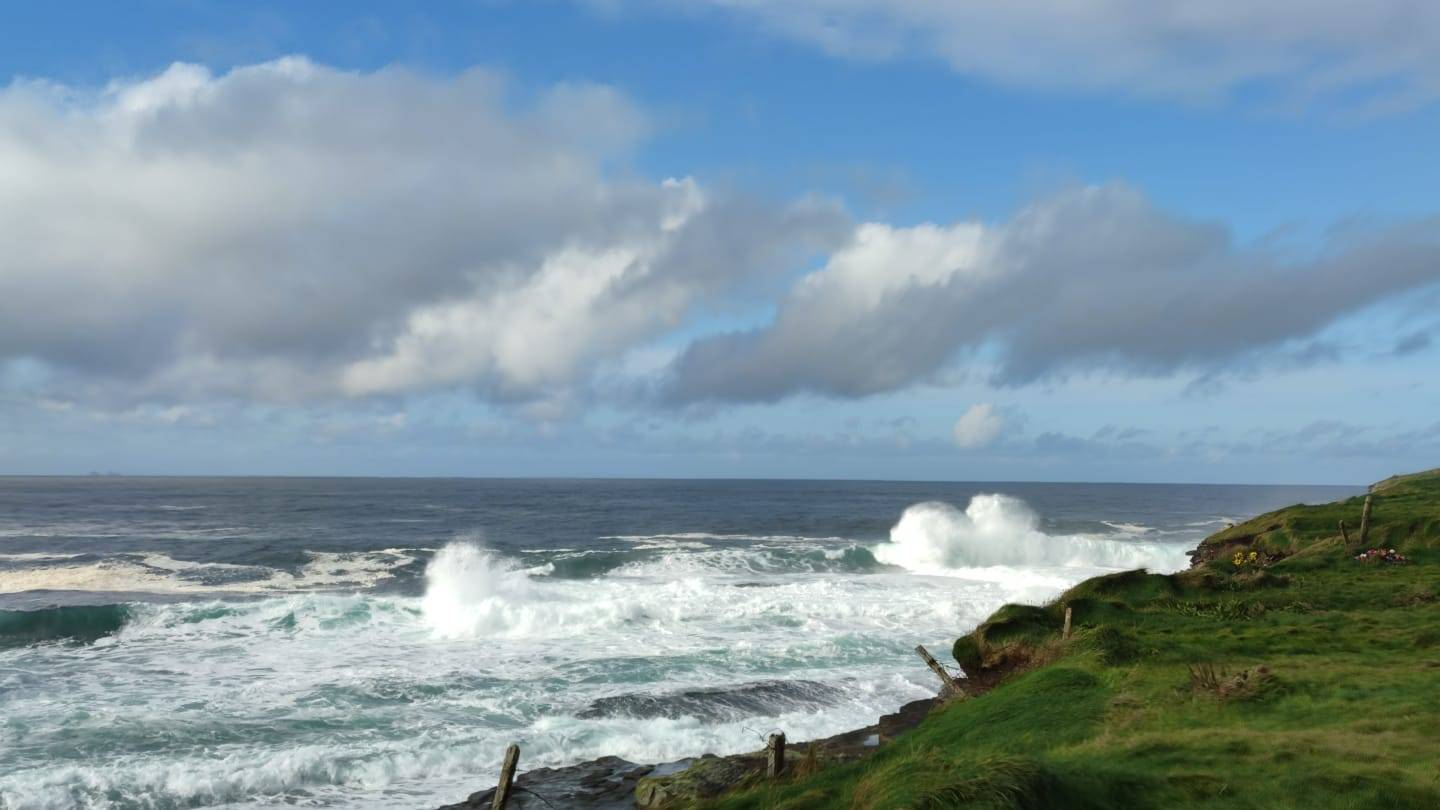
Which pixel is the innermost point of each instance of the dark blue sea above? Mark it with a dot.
(187, 642)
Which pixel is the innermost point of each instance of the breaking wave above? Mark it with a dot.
(77, 623)
(473, 592)
(995, 530)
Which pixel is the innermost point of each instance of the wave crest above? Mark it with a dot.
(80, 623)
(993, 530)
(471, 591)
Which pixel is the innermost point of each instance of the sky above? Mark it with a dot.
(1162, 241)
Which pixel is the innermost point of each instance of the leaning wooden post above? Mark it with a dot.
(1365, 522)
(775, 754)
(947, 682)
(507, 775)
(1344, 532)
(1066, 632)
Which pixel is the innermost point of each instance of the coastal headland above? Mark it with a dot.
(1294, 664)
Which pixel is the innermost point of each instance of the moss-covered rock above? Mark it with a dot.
(704, 778)
(1128, 588)
(968, 655)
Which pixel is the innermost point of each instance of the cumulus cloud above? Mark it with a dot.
(287, 231)
(1380, 55)
(1090, 278)
(979, 426)
(869, 321)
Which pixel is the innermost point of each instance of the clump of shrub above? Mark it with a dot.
(1205, 678)
(1224, 609)
(1247, 684)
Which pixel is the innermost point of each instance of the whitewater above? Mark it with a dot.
(367, 646)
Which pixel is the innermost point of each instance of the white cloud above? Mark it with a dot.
(288, 231)
(847, 328)
(1381, 54)
(979, 426)
(537, 334)
(1092, 278)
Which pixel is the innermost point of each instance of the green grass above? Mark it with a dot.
(1346, 713)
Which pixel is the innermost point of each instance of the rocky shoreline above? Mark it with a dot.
(612, 783)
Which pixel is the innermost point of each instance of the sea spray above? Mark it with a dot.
(474, 592)
(999, 530)
(470, 591)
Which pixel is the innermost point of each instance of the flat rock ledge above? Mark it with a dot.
(607, 783)
(612, 783)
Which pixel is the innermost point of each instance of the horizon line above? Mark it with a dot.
(292, 476)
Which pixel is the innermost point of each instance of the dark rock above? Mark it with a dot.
(607, 783)
(756, 699)
(709, 776)
(611, 783)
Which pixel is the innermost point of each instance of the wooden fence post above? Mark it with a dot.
(1345, 533)
(1365, 522)
(947, 682)
(775, 755)
(507, 775)
(1066, 632)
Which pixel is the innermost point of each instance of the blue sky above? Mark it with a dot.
(817, 238)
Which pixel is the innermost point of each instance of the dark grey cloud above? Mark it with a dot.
(288, 231)
(1411, 344)
(1093, 278)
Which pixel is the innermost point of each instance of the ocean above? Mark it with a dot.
(350, 642)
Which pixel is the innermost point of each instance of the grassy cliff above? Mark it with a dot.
(1296, 677)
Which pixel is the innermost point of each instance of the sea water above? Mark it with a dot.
(377, 643)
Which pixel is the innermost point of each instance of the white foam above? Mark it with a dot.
(1132, 529)
(1218, 520)
(935, 537)
(165, 563)
(37, 557)
(343, 569)
(107, 575)
(161, 574)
